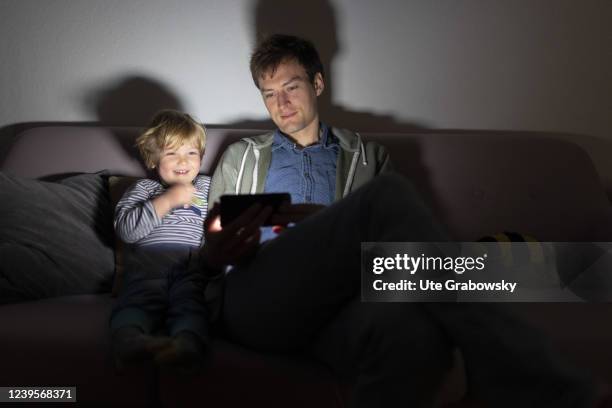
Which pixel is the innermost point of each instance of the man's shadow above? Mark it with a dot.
(315, 20)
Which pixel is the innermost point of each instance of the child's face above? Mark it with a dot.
(179, 165)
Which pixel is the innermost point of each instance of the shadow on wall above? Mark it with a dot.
(315, 20)
(131, 101)
(128, 101)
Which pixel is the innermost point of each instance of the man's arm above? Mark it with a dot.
(226, 174)
(385, 160)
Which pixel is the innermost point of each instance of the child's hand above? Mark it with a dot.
(176, 196)
(180, 195)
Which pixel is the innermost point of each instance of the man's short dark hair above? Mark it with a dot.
(279, 48)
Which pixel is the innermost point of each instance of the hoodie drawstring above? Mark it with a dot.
(255, 171)
(362, 147)
(241, 172)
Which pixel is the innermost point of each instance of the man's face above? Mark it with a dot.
(291, 99)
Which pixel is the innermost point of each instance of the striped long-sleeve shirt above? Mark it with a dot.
(136, 221)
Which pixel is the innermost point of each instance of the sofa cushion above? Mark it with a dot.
(55, 237)
(117, 186)
(65, 341)
(239, 377)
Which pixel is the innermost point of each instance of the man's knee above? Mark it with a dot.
(390, 182)
(407, 329)
(387, 334)
(408, 348)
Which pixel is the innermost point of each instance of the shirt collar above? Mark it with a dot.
(281, 141)
(327, 139)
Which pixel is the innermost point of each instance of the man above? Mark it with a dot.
(315, 163)
(300, 292)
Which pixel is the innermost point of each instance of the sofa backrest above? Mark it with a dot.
(51, 150)
(476, 183)
(486, 183)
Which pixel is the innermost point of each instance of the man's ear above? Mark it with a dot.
(318, 83)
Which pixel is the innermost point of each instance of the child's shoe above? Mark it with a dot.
(131, 346)
(187, 354)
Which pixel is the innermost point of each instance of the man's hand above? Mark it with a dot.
(176, 196)
(236, 241)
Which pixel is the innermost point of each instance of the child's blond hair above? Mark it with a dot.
(169, 129)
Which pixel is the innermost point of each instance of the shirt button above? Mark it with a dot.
(306, 174)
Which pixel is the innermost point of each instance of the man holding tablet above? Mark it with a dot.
(299, 292)
(315, 163)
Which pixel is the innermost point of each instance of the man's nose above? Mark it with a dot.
(282, 99)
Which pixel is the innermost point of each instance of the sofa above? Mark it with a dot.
(476, 183)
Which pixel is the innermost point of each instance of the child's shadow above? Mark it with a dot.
(130, 101)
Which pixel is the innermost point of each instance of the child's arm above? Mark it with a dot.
(176, 196)
(137, 214)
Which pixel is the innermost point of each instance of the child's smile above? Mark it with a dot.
(179, 165)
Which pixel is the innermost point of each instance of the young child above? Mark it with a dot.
(161, 218)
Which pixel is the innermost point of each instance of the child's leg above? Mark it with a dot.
(186, 319)
(186, 308)
(139, 310)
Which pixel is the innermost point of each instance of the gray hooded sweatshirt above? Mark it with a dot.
(244, 165)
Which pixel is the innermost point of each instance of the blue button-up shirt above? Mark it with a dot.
(308, 173)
